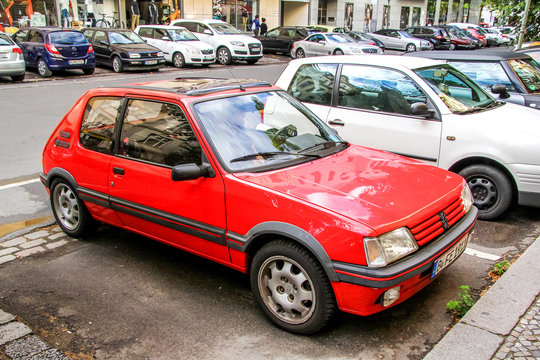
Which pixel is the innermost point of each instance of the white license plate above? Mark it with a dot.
(450, 256)
(4, 56)
(150, 62)
(206, 57)
(76, 62)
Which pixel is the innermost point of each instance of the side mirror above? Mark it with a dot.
(207, 32)
(322, 42)
(421, 109)
(191, 172)
(166, 38)
(500, 90)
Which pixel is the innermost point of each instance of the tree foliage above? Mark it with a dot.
(511, 14)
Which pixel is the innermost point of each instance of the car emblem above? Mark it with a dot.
(444, 221)
(74, 48)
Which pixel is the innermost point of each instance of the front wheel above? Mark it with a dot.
(452, 46)
(224, 56)
(300, 53)
(252, 61)
(117, 64)
(88, 71)
(178, 60)
(292, 288)
(491, 190)
(410, 47)
(69, 211)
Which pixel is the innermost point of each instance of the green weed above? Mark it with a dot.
(463, 304)
(500, 267)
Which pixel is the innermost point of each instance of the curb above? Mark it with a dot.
(486, 325)
(27, 229)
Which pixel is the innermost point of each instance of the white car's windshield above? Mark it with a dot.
(224, 28)
(339, 38)
(265, 130)
(182, 35)
(456, 90)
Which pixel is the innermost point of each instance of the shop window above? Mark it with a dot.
(238, 13)
(404, 19)
(97, 129)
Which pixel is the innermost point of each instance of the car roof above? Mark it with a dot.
(172, 27)
(197, 86)
(397, 61)
(106, 29)
(49, 29)
(476, 55)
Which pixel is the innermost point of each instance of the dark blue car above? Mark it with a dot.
(49, 49)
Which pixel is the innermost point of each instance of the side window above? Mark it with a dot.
(101, 36)
(145, 32)
(313, 83)
(188, 25)
(485, 74)
(21, 36)
(97, 128)
(88, 34)
(160, 133)
(378, 89)
(273, 33)
(160, 33)
(202, 27)
(35, 36)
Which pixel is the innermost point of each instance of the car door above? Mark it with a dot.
(315, 45)
(34, 47)
(147, 34)
(20, 39)
(270, 39)
(163, 41)
(101, 47)
(373, 109)
(155, 136)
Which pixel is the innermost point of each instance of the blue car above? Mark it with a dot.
(54, 49)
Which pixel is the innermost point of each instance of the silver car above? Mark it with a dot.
(401, 40)
(331, 44)
(11, 59)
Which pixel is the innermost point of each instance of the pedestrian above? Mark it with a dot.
(264, 27)
(256, 25)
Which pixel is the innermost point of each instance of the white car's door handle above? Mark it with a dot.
(336, 122)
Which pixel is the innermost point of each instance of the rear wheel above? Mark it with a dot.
(300, 53)
(117, 64)
(88, 71)
(43, 69)
(338, 52)
(252, 61)
(178, 60)
(410, 47)
(452, 46)
(17, 77)
(292, 288)
(491, 189)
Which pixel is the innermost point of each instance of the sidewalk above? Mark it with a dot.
(505, 322)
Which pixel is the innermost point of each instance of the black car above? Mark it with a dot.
(360, 36)
(508, 76)
(436, 35)
(123, 50)
(280, 39)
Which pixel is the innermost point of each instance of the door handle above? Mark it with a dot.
(336, 122)
(118, 170)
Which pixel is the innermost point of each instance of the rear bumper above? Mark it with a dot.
(9, 68)
(360, 288)
(63, 64)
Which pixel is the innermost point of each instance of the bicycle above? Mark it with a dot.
(116, 23)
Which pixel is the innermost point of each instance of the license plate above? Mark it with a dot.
(450, 256)
(206, 57)
(4, 55)
(75, 62)
(150, 62)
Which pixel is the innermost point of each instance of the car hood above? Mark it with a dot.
(134, 47)
(379, 189)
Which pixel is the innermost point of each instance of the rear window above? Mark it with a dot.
(5, 40)
(67, 37)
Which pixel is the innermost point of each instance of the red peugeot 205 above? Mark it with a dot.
(241, 173)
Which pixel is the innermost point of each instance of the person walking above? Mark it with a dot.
(256, 25)
(264, 27)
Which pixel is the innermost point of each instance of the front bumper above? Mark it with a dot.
(360, 288)
(201, 59)
(143, 64)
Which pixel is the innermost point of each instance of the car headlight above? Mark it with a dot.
(237, 43)
(193, 51)
(387, 248)
(134, 56)
(466, 197)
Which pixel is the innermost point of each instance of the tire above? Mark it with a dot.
(223, 56)
(252, 61)
(117, 65)
(43, 69)
(410, 47)
(88, 71)
(300, 54)
(69, 211)
(178, 60)
(299, 282)
(338, 52)
(452, 46)
(17, 77)
(491, 189)
(102, 24)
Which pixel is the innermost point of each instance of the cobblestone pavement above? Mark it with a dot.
(524, 341)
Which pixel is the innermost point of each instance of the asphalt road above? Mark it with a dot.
(121, 296)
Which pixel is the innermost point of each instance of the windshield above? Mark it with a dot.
(124, 37)
(266, 130)
(224, 28)
(457, 91)
(67, 38)
(182, 35)
(528, 71)
(340, 38)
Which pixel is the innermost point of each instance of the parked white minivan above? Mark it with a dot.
(228, 43)
(427, 110)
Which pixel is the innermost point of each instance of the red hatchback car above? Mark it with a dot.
(241, 173)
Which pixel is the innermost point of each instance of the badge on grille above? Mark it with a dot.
(444, 221)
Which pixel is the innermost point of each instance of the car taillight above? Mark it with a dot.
(504, 35)
(52, 49)
(17, 50)
(372, 43)
(439, 37)
(90, 49)
(482, 36)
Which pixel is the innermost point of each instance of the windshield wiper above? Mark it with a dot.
(481, 107)
(325, 144)
(269, 155)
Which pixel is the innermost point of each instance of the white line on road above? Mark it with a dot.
(481, 254)
(21, 183)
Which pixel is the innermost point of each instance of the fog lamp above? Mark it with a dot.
(390, 296)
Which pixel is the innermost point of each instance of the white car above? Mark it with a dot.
(401, 40)
(331, 44)
(228, 43)
(179, 45)
(427, 110)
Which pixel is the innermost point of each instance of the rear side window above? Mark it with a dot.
(160, 133)
(67, 38)
(160, 33)
(313, 83)
(97, 128)
(21, 35)
(89, 34)
(145, 32)
(35, 36)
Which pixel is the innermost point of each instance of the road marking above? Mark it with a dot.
(21, 183)
(481, 254)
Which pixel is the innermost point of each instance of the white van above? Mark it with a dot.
(427, 110)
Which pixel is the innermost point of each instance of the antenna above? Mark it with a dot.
(235, 78)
